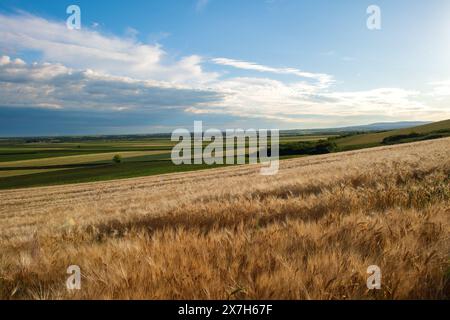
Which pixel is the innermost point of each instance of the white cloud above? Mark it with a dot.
(441, 89)
(298, 102)
(323, 79)
(5, 60)
(49, 85)
(86, 48)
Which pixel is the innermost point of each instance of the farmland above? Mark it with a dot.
(309, 232)
(49, 161)
(40, 162)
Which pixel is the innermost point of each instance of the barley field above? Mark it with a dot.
(309, 232)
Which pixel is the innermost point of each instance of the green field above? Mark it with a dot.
(35, 162)
(49, 161)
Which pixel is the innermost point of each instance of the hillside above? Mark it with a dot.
(386, 126)
(379, 126)
(309, 232)
(374, 139)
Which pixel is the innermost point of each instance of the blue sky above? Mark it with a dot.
(153, 66)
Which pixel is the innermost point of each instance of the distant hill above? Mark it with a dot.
(373, 139)
(380, 126)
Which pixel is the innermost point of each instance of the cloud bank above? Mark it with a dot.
(57, 86)
(87, 70)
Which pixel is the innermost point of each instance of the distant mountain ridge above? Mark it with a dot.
(386, 126)
(378, 126)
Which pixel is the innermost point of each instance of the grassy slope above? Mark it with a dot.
(374, 139)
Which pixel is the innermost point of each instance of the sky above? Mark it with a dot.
(141, 66)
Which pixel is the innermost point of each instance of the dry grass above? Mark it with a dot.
(309, 232)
